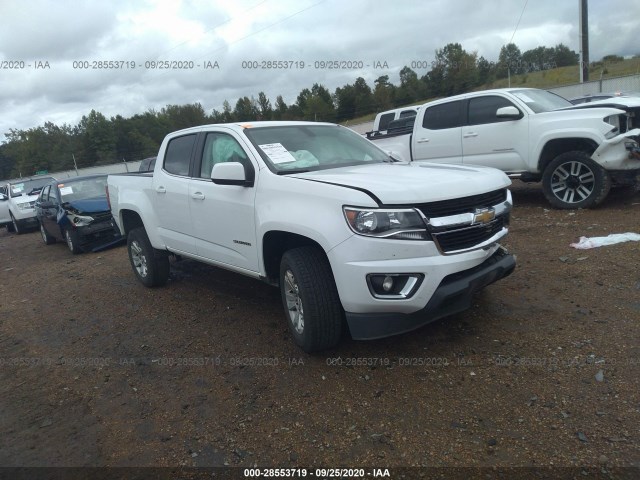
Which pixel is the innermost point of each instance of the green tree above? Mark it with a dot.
(246, 109)
(318, 104)
(454, 71)
(264, 106)
(509, 61)
(383, 93)
(345, 99)
(280, 110)
(563, 56)
(411, 88)
(98, 146)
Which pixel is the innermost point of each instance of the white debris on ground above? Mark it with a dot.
(586, 242)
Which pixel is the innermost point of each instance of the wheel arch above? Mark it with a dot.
(274, 244)
(129, 220)
(558, 146)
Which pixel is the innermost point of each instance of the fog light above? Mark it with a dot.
(394, 286)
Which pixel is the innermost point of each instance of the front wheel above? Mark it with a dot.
(574, 180)
(16, 226)
(72, 241)
(310, 299)
(151, 266)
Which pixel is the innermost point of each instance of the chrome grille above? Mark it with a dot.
(445, 208)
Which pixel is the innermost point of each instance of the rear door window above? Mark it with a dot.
(442, 116)
(178, 156)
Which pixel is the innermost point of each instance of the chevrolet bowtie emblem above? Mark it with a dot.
(484, 215)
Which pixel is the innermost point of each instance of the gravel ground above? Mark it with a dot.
(96, 370)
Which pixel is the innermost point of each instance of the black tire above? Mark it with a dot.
(46, 238)
(72, 241)
(573, 180)
(307, 286)
(10, 228)
(151, 266)
(15, 226)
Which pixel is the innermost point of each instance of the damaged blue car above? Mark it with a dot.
(76, 211)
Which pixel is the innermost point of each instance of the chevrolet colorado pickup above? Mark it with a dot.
(530, 134)
(345, 232)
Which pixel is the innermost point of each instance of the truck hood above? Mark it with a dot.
(623, 103)
(586, 109)
(409, 183)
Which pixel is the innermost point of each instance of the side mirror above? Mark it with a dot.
(230, 173)
(509, 112)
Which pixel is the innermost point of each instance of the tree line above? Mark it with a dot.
(97, 140)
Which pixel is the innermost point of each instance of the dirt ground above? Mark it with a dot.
(543, 371)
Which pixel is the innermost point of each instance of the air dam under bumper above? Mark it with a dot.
(453, 295)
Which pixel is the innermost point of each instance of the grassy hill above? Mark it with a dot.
(547, 79)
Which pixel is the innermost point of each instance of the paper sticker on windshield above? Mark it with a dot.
(17, 187)
(277, 153)
(524, 98)
(66, 191)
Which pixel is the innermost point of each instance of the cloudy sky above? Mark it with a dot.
(45, 43)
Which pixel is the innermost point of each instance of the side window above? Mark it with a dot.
(53, 194)
(407, 113)
(44, 194)
(178, 155)
(384, 120)
(483, 109)
(445, 115)
(219, 148)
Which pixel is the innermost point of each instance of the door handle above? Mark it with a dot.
(197, 196)
(161, 189)
(422, 140)
(470, 134)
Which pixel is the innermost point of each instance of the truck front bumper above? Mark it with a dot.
(453, 295)
(618, 152)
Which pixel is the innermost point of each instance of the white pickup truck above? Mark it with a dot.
(530, 134)
(346, 232)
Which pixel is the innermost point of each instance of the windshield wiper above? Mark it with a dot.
(293, 170)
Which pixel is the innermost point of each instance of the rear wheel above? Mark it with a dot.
(574, 180)
(310, 299)
(151, 266)
(46, 238)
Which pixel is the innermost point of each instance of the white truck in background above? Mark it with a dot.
(383, 119)
(577, 152)
(346, 232)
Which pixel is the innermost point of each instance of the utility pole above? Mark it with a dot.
(75, 164)
(584, 40)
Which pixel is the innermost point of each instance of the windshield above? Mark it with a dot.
(29, 187)
(298, 148)
(541, 100)
(83, 189)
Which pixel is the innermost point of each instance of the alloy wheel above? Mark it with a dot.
(294, 302)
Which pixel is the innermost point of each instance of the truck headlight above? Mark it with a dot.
(401, 224)
(615, 121)
(26, 205)
(81, 221)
